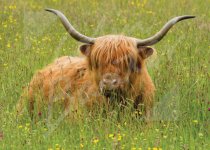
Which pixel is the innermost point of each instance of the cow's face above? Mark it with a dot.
(114, 62)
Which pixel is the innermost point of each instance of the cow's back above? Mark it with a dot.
(64, 74)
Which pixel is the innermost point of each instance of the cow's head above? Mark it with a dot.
(116, 60)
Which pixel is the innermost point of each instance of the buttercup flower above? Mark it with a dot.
(95, 141)
(195, 121)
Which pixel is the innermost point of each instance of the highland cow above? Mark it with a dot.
(113, 66)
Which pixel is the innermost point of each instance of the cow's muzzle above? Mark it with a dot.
(110, 82)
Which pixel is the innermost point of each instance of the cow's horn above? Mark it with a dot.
(159, 35)
(74, 33)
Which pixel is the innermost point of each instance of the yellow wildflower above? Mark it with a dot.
(132, 3)
(111, 135)
(12, 7)
(20, 126)
(95, 141)
(119, 137)
(8, 45)
(81, 145)
(195, 121)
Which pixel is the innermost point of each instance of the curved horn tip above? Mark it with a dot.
(50, 10)
(190, 16)
(185, 17)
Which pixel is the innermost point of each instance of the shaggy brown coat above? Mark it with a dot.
(75, 80)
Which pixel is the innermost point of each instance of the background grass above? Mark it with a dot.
(31, 38)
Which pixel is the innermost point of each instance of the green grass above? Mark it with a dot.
(31, 38)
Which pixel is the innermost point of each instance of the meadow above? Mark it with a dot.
(31, 38)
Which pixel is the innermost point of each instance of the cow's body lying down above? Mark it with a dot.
(74, 81)
(66, 79)
(113, 65)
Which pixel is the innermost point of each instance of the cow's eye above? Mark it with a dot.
(131, 64)
(138, 66)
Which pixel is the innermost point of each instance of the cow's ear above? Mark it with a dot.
(145, 51)
(85, 49)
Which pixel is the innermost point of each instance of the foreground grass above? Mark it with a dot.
(31, 38)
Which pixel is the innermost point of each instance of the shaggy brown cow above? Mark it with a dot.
(113, 66)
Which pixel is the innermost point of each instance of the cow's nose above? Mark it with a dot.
(110, 82)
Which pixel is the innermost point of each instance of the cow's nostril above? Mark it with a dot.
(105, 81)
(114, 82)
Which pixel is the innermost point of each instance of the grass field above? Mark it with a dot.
(31, 38)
